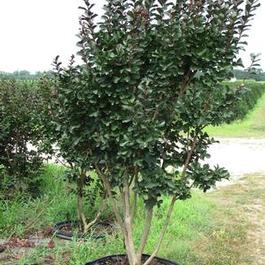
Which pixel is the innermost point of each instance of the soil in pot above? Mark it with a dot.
(123, 260)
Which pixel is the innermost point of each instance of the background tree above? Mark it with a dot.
(20, 136)
(150, 83)
(21, 75)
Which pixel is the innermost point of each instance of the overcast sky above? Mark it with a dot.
(33, 32)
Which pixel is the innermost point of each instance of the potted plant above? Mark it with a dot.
(88, 191)
(138, 106)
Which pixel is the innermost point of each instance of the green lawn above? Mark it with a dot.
(253, 126)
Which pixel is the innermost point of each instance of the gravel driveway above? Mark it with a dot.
(240, 156)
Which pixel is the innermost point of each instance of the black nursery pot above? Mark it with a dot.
(59, 230)
(123, 260)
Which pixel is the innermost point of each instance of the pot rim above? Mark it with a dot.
(119, 256)
(69, 236)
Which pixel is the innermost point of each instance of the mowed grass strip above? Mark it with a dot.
(253, 126)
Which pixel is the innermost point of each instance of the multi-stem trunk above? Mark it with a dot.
(83, 224)
(126, 222)
(134, 254)
(80, 201)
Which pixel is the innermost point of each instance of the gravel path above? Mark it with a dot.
(240, 156)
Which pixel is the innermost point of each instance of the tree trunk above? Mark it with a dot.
(145, 234)
(128, 235)
(80, 202)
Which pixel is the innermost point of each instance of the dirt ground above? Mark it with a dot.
(244, 202)
(255, 211)
(246, 156)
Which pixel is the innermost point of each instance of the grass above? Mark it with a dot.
(208, 229)
(253, 126)
(56, 203)
(190, 219)
(21, 218)
(26, 215)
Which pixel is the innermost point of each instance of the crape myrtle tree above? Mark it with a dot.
(136, 110)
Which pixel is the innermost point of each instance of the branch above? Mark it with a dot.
(135, 198)
(109, 193)
(146, 231)
(171, 207)
(188, 158)
(186, 81)
(163, 231)
(134, 206)
(9, 159)
(80, 209)
(128, 225)
(101, 208)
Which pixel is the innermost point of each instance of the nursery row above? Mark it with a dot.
(253, 91)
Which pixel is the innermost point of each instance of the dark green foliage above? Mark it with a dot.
(54, 127)
(150, 83)
(252, 91)
(205, 177)
(91, 188)
(20, 134)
